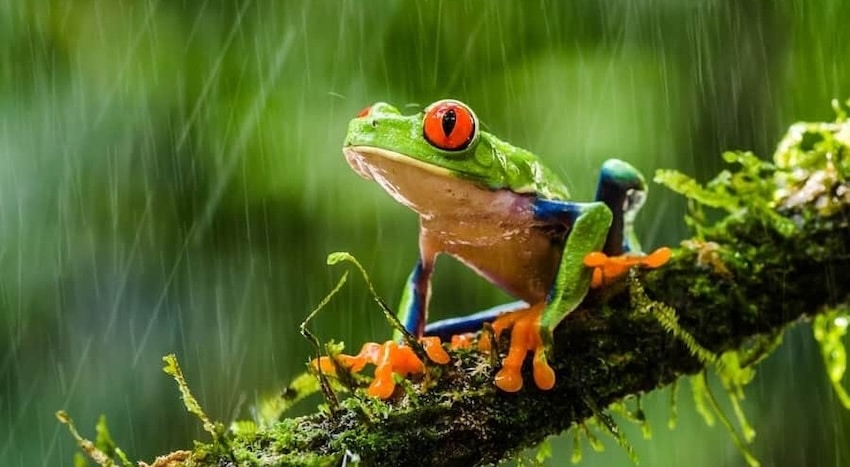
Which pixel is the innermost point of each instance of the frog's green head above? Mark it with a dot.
(444, 141)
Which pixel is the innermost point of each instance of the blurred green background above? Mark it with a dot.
(171, 181)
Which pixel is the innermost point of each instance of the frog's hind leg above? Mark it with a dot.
(448, 328)
(394, 356)
(531, 328)
(623, 189)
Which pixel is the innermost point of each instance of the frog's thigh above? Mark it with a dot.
(447, 328)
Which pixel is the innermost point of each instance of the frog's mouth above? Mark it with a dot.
(420, 186)
(365, 160)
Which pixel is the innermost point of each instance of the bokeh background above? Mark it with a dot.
(171, 181)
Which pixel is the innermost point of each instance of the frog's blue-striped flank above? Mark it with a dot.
(501, 212)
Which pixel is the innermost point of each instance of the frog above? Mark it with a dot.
(501, 212)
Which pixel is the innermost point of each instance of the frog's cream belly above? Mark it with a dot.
(491, 231)
(522, 261)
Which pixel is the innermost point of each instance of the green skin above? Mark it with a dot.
(494, 207)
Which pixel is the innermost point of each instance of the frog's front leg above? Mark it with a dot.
(395, 356)
(532, 328)
(623, 189)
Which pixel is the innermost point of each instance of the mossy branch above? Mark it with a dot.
(780, 254)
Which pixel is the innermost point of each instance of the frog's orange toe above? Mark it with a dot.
(383, 384)
(608, 268)
(354, 363)
(435, 351)
(544, 375)
(324, 365)
(485, 342)
(508, 379)
(596, 259)
(657, 258)
(525, 337)
(393, 358)
(462, 341)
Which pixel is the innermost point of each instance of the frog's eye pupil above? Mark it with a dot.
(449, 125)
(449, 120)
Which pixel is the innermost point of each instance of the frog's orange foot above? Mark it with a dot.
(388, 358)
(608, 268)
(462, 341)
(525, 337)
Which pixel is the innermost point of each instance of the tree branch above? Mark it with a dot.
(781, 254)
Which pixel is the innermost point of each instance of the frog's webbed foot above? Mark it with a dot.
(608, 268)
(388, 358)
(525, 336)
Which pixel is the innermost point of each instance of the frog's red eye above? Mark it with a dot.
(364, 112)
(449, 125)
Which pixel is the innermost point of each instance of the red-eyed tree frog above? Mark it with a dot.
(500, 211)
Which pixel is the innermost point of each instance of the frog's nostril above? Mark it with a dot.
(364, 112)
